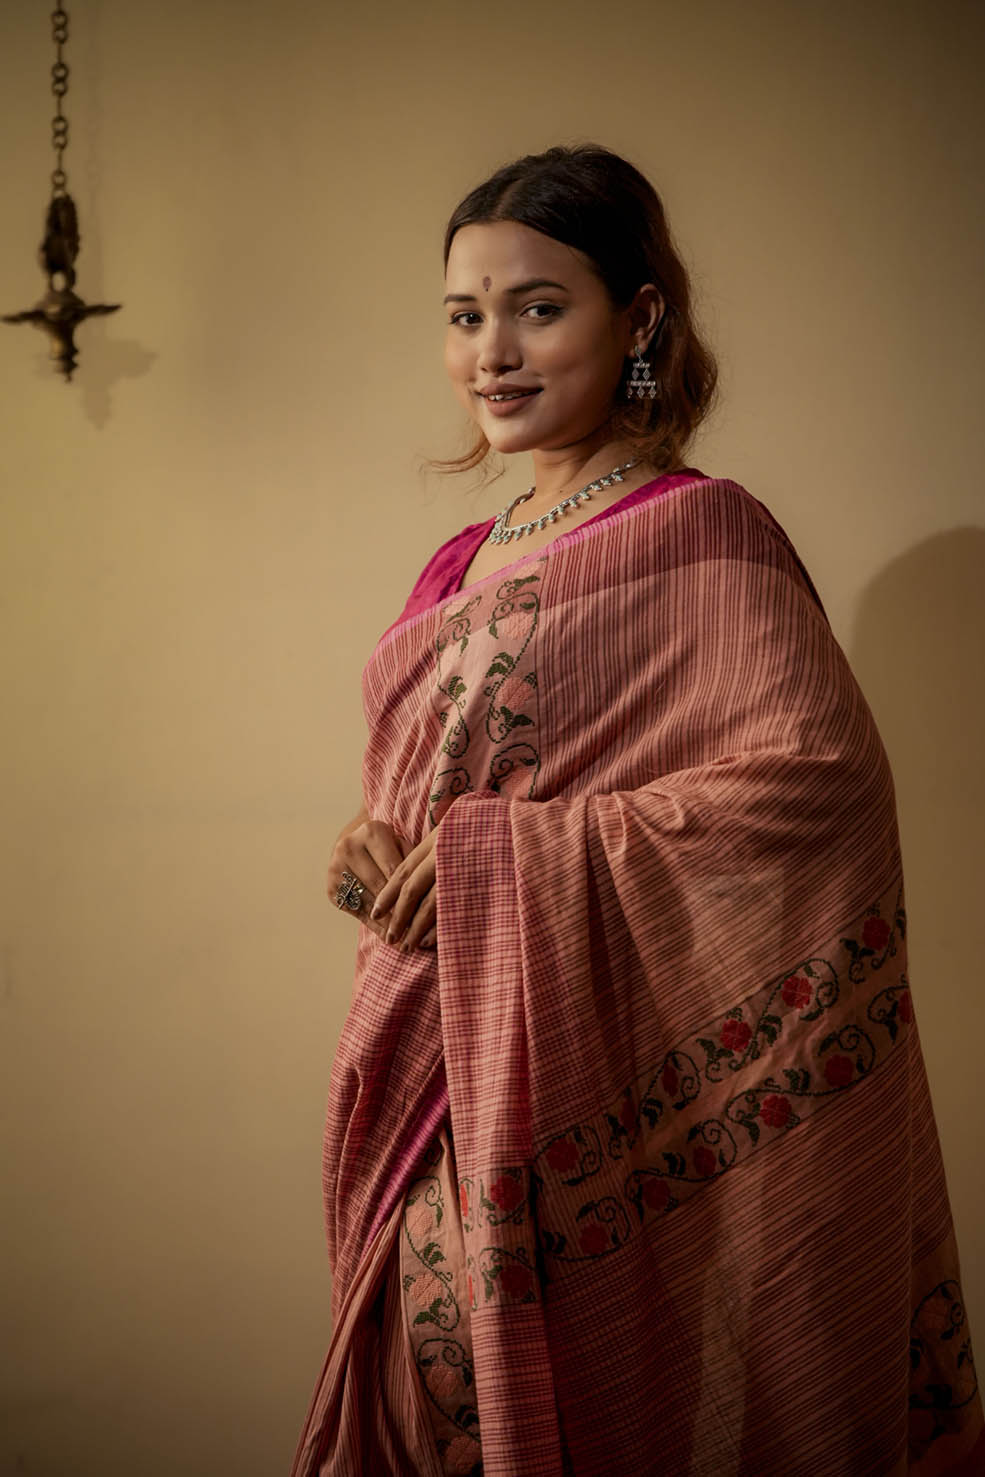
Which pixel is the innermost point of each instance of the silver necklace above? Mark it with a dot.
(501, 534)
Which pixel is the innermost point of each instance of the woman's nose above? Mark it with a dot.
(498, 350)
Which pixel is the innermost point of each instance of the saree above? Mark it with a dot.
(667, 1039)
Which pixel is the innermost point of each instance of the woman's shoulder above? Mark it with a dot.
(448, 556)
(735, 514)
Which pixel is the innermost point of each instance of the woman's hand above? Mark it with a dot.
(410, 898)
(370, 850)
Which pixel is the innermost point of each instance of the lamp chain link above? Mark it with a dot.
(59, 86)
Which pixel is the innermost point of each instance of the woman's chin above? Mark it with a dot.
(507, 438)
(510, 442)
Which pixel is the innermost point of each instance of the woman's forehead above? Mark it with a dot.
(501, 250)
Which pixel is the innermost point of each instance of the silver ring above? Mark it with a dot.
(350, 892)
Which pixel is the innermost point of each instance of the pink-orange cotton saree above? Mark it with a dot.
(705, 1220)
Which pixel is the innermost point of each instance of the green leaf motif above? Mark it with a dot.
(430, 1315)
(798, 1077)
(502, 663)
(712, 1051)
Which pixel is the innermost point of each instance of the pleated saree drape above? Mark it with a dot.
(666, 1050)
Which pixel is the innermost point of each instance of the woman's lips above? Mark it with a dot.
(507, 407)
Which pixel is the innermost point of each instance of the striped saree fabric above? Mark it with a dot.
(662, 1075)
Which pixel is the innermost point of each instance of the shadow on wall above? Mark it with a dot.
(917, 652)
(103, 361)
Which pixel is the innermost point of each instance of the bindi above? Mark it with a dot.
(487, 283)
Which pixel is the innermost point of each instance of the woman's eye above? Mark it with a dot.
(544, 312)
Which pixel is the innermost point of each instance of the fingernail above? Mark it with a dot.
(374, 912)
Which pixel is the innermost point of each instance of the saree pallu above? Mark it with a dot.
(705, 1224)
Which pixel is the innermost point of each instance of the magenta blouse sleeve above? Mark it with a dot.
(442, 574)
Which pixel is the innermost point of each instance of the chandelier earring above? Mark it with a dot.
(640, 384)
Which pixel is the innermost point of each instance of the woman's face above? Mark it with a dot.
(565, 341)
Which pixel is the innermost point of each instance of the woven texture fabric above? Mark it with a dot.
(705, 1224)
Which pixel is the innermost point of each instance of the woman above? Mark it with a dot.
(630, 1162)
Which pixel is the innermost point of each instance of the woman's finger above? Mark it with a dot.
(416, 902)
(420, 921)
(388, 893)
(419, 858)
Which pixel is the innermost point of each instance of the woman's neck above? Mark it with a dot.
(557, 476)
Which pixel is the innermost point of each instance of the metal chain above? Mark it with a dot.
(59, 86)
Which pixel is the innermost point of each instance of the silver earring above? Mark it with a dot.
(640, 384)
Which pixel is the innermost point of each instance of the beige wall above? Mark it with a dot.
(204, 535)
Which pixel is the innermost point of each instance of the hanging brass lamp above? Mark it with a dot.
(61, 310)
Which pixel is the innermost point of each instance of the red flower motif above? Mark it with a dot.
(839, 1070)
(627, 1115)
(562, 1154)
(459, 1455)
(515, 623)
(797, 991)
(670, 1079)
(442, 1380)
(593, 1239)
(904, 1006)
(735, 1034)
(507, 1193)
(514, 1279)
(656, 1192)
(463, 1199)
(774, 1110)
(426, 1289)
(705, 1160)
(875, 933)
(514, 693)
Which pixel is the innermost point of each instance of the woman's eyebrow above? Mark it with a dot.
(464, 297)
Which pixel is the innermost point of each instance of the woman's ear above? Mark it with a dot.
(651, 309)
(645, 315)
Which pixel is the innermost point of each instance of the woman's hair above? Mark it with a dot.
(595, 201)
